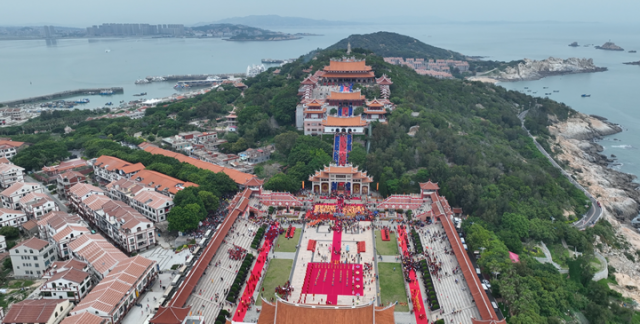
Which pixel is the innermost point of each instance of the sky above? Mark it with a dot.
(83, 13)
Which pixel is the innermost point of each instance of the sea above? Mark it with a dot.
(33, 67)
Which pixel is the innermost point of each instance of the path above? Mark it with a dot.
(549, 259)
(414, 285)
(595, 212)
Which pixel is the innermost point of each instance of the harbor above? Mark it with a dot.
(64, 94)
(189, 77)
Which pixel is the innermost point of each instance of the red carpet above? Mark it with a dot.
(414, 285)
(332, 280)
(385, 235)
(254, 277)
(335, 246)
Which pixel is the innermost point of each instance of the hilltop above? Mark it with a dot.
(237, 32)
(279, 21)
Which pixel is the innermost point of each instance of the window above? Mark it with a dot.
(35, 258)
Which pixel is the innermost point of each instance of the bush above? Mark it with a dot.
(10, 232)
(258, 238)
(7, 263)
(240, 278)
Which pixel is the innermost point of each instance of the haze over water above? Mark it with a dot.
(79, 63)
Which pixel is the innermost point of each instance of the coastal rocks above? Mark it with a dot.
(535, 70)
(610, 46)
(574, 144)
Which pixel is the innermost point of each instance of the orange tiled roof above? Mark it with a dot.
(32, 311)
(315, 111)
(170, 315)
(111, 163)
(284, 312)
(11, 143)
(17, 186)
(235, 175)
(429, 185)
(333, 169)
(345, 96)
(374, 112)
(153, 199)
(340, 66)
(29, 225)
(81, 189)
(34, 243)
(72, 275)
(344, 121)
(96, 250)
(348, 75)
(375, 103)
(162, 182)
(84, 318)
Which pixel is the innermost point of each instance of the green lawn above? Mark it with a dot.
(386, 247)
(534, 251)
(560, 255)
(288, 245)
(392, 285)
(277, 275)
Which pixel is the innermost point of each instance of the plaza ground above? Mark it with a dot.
(288, 245)
(277, 275)
(392, 286)
(386, 247)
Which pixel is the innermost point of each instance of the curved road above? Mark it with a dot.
(594, 213)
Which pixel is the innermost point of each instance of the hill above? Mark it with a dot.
(279, 21)
(387, 44)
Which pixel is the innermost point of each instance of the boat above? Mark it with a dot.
(556, 90)
(633, 51)
(142, 81)
(140, 94)
(106, 92)
(82, 101)
(545, 87)
(526, 87)
(109, 103)
(272, 61)
(107, 51)
(586, 96)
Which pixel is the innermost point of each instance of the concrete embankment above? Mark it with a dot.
(60, 95)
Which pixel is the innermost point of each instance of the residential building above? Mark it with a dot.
(109, 168)
(161, 182)
(67, 280)
(11, 217)
(101, 255)
(3, 244)
(65, 166)
(32, 257)
(9, 148)
(84, 318)
(68, 179)
(35, 205)
(30, 228)
(91, 205)
(125, 226)
(118, 292)
(38, 311)
(153, 205)
(12, 195)
(81, 191)
(60, 229)
(10, 174)
(258, 155)
(125, 189)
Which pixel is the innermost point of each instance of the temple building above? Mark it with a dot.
(375, 111)
(345, 178)
(347, 70)
(283, 312)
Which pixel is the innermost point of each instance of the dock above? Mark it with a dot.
(190, 77)
(60, 95)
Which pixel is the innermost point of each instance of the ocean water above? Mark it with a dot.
(30, 68)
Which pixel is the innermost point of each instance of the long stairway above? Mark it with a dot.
(341, 148)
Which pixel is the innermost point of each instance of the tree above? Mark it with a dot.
(285, 142)
(358, 111)
(333, 111)
(516, 223)
(358, 155)
(282, 182)
(7, 263)
(10, 232)
(184, 218)
(151, 137)
(210, 201)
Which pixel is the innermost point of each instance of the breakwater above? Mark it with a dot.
(189, 77)
(60, 95)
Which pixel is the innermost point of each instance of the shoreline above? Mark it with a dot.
(552, 74)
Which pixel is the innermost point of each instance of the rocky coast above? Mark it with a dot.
(534, 70)
(575, 145)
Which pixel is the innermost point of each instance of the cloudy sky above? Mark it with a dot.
(82, 13)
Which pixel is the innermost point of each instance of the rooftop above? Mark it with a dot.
(33, 243)
(111, 163)
(344, 121)
(84, 318)
(18, 186)
(162, 182)
(82, 189)
(153, 199)
(347, 66)
(32, 311)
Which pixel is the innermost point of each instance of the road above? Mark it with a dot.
(595, 212)
(55, 198)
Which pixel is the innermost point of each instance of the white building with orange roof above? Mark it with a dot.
(126, 189)
(11, 217)
(12, 195)
(101, 255)
(10, 174)
(110, 168)
(354, 125)
(79, 192)
(35, 205)
(90, 205)
(375, 111)
(118, 292)
(341, 178)
(161, 182)
(32, 257)
(67, 280)
(68, 179)
(84, 318)
(9, 148)
(153, 205)
(64, 166)
(126, 226)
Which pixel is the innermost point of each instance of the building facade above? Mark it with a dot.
(12, 195)
(32, 257)
(10, 174)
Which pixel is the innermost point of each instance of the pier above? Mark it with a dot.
(60, 95)
(189, 77)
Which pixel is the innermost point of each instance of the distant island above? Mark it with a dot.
(632, 63)
(610, 46)
(270, 21)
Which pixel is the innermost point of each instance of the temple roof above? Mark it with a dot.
(334, 169)
(283, 312)
(375, 103)
(314, 103)
(348, 75)
(374, 112)
(345, 96)
(429, 185)
(346, 66)
(344, 121)
(384, 80)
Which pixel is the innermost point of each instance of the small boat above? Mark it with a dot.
(556, 90)
(82, 101)
(109, 103)
(586, 95)
(526, 87)
(107, 51)
(545, 87)
(107, 92)
(140, 94)
(142, 81)
(633, 51)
